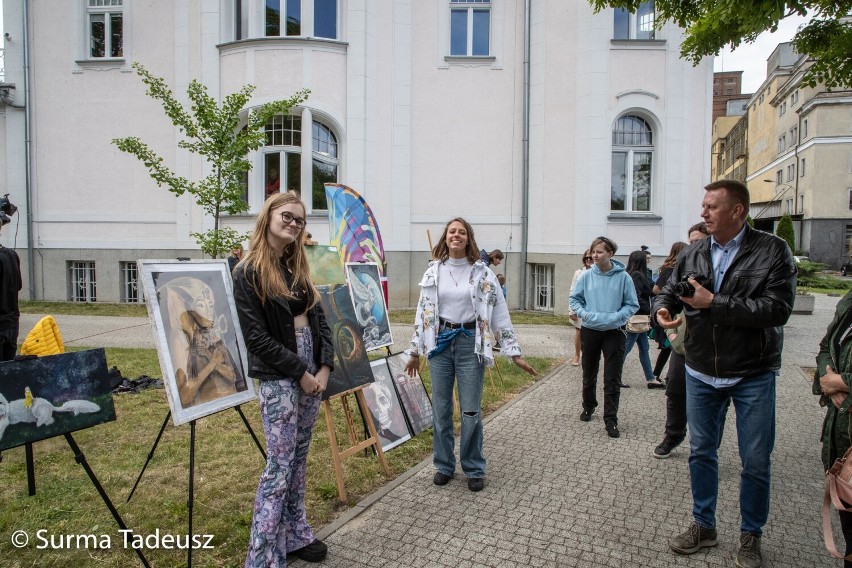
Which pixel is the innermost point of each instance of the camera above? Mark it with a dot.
(7, 209)
(685, 289)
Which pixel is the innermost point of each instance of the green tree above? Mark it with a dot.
(711, 25)
(785, 231)
(211, 131)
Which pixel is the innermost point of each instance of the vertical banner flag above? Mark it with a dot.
(353, 229)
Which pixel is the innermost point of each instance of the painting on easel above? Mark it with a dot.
(199, 343)
(351, 366)
(415, 400)
(386, 408)
(48, 396)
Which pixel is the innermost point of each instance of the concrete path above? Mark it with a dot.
(560, 492)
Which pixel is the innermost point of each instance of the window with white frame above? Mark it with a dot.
(802, 167)
(241, 19)
(82, 286)
(129, 283)
(794, 135)
(804, 129)
(105, 28)
(632, 158)
(782, 143)
(636, 25)
(325, 163)
(789, 205)
(782, 108)
(542, 284)
(470, 28)
(325, 18)
(779, 177)
(791, 172)
(283, 17)
(282, 154)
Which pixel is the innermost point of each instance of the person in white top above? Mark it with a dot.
(460, 312)
(575, 319)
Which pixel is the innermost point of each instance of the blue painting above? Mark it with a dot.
(48, 396)
(369, 303)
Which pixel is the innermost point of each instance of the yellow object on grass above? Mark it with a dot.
(43, 339)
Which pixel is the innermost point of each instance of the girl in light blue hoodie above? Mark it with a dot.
(604, 298)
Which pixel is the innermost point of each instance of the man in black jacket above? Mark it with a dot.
(736, 289)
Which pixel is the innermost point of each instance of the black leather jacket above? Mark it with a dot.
(270, 335)
(742, 333)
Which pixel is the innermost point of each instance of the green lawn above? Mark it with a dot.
(226, 474)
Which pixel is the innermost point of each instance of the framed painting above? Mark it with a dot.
(415, 399)
(351, 365)
(365, 287)
(385, 407)
(43, 397)
(199, 342)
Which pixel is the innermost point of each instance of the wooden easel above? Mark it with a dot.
(337, 456)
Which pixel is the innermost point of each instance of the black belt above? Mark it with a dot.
(451, 325)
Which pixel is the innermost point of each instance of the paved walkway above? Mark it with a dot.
(560, 492)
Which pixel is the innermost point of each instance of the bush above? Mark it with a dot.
(786, 232)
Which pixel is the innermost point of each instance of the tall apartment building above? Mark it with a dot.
(800, 158)
(425, 107)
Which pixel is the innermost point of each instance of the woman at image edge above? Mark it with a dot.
(460, 312)
(290, 351)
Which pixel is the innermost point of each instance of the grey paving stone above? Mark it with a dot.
(561, 493)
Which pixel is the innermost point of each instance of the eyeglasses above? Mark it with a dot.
(287, 218)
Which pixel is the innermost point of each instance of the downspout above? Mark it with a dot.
(525, 183)
(28, 153)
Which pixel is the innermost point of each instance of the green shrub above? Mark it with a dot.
(786, 232)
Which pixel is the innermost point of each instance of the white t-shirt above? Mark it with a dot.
(454, 303)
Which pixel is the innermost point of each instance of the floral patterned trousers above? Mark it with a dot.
(280, 524)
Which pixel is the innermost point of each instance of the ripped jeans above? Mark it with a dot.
(458, 363)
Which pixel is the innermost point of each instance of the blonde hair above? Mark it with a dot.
(268, 279)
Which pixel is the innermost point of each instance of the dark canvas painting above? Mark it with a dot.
(369, 304)
(351, 366)
(415, 401)
(385, 408)
(48, 396)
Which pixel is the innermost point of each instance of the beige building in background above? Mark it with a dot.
(800, 158)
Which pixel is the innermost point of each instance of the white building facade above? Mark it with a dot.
(427, 108)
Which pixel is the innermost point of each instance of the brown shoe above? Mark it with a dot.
(749, 554)
(693, 539)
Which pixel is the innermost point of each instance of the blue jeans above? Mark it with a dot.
(754, 402)
(458, 363)
(644, 357)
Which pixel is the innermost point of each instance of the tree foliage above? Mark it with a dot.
(711, 25)
(786, 232)
(213, 132)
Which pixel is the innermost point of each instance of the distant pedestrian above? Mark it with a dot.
(501, 278)
(235, 257)
(659, 333)
(636, 268)
(575, 319)
(493, 258)
(604, 297)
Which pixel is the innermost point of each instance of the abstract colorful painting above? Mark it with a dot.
(43, 397)
(325, 265)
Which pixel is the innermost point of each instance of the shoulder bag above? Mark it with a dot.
(838, 492)
(638, 324)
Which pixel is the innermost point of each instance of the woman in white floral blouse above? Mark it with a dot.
(460, 312)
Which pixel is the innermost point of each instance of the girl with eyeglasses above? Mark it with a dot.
(575, 320)
(290, 351)
(604, 298)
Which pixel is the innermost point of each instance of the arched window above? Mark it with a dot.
(325, 162)
(282, 154)
(632, 158)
